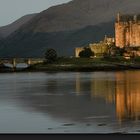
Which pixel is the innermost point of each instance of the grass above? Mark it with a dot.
(94, 61)
(84, 64)
(77, 61)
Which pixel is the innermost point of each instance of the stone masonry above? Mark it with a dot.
(127, 31)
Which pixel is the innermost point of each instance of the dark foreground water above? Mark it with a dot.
(98, 102)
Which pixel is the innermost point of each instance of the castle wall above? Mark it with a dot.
(120, 34)
(99, 49)
(127, 33)
(131, 34)
(127, 37)
(136, 34)
(77, 51)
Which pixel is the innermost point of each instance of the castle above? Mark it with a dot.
(127, 31)
(127, 36)
(99, 49)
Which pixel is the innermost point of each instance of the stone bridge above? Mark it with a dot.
(15, 61)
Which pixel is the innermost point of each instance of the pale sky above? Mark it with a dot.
(11, 10)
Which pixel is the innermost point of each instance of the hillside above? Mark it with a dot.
(66, 26)
(79, 14)
(7, 30)
(34, 45)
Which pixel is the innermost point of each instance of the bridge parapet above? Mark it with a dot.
(15, 61)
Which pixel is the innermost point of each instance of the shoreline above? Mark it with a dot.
(79, 65)
(58, 68)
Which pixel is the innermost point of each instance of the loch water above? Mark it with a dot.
(71, 102)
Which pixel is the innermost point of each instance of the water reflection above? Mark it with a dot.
(67, 97)
(121, 89)
(104, 87)
(112, 96)
(128, 96)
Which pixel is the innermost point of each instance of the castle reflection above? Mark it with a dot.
(76, 96)
(128, 95)
(121, 89)
(104, 87)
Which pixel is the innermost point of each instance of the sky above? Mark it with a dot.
(11, 10)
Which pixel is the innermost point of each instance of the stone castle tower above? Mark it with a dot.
(127, 31)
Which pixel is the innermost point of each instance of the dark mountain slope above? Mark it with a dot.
(34, 44)
(79, 14)
(67, 26)
(7, 30)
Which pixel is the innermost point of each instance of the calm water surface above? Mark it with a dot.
(98, 102)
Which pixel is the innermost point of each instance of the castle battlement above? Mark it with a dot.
(127, 31)
(127, 18)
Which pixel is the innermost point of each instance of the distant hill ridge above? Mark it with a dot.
(67, 26)
(8, 29)
(80, 13)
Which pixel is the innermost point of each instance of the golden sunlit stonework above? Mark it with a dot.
(98, 48)
(127, 36)
(127, 31)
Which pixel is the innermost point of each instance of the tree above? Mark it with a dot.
(86, 53)
(116, 51)
(50, 55)
(122, 51)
